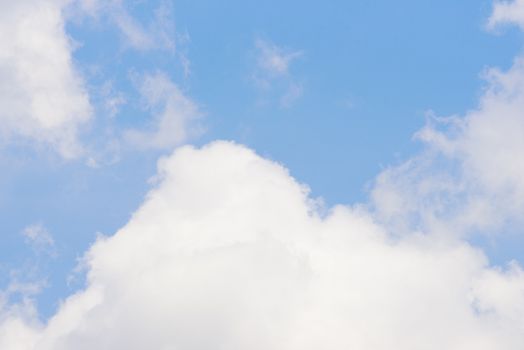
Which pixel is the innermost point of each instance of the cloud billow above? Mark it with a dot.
(228, 251)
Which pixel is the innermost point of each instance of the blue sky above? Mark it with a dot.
(406, 112)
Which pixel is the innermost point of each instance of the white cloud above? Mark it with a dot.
(507, 12)
(19, 325)
(39, 238)
(273, 71)
(470, 178)
(112, 99)
(158, 33)
(42, 97)
(293, 93)
(93, 7)
(175, 117)
(19, 321)
(228, 251)
(273, 59)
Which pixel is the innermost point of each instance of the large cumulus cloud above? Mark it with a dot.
(229, 252)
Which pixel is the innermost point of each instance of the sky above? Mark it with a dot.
(266, 175)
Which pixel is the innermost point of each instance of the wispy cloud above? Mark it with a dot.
(157, 34)
(39, 239)
(469, 178)
(175, 116)
(273, 71)
(274, 60)
(507, 12)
